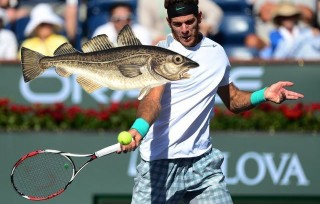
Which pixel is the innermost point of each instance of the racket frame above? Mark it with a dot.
(100, 153)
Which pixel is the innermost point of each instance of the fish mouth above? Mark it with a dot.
(192, 65)
(184, 75)
(189, 65)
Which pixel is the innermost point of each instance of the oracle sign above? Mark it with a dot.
(247, 78)
(70, 89)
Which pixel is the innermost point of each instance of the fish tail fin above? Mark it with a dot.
(31, 67)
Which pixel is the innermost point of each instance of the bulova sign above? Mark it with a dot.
(265, 164)
(280, 174)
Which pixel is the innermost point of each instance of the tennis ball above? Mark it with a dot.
(124, 138)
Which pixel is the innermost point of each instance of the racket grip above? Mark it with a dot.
(108, 150)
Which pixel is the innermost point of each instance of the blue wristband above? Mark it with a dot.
(141, 126)
(257, 97)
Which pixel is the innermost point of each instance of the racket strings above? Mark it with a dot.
(43, 175)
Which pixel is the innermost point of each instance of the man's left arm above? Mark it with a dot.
(237, 100)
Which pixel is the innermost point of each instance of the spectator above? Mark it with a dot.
(43, 30)
(289, 37)
(258, 45)
(8, 41)
(263, 20)
(68, 9)
(265, 10)
(154, 19)
(12, 11)
(307, 16)
(121, 14)
(259, 41)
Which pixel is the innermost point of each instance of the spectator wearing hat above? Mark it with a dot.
(68, 9)
(43, 30)
(288, 35)
(121, 14)
(264, 12)
(8, 41)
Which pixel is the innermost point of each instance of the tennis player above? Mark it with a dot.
(178, 160)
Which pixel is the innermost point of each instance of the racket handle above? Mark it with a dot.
(108, 150)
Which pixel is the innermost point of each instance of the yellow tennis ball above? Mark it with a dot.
(124, 138)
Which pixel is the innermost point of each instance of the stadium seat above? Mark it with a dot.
(95, 21)
(240, 6)
(234, 28)
(18, 28)
(240, 52)
(97, 12)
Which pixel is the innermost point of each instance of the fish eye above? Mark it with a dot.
(177, 59)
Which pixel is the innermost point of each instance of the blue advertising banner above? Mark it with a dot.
(50, 88)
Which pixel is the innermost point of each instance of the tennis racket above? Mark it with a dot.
(45, 174)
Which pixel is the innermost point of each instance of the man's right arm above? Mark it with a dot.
(148, 110)
(150, 106)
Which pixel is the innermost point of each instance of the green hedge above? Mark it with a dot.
(119, 116)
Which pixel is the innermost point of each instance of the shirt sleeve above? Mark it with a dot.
(226, 65)
(226, 77)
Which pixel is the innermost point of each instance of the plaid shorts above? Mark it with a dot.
(190, 180)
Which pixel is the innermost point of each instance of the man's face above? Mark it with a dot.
(289, 22)
(120, 17)
(185, 29)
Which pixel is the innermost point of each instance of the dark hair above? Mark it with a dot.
(116, 5)
(168, 3)
(278, 19)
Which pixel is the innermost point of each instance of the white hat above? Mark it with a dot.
(42, 13)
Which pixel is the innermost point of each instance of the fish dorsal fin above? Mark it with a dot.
(126, 37)
(97, 43)
(62, 72)
(65, 48)
(87, 84)
(130, 71)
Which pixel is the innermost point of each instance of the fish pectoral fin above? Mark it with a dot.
(144, 91)
(62, 72)
(97, 43)
(126, 37)
(87, 84)
(65, 48)
(130, 71)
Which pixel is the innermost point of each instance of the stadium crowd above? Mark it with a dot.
(248, 29)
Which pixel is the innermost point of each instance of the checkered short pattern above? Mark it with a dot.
(192, 180)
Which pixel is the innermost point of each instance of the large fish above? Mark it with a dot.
(129, 66)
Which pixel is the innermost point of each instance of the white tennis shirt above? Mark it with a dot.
(182, 128)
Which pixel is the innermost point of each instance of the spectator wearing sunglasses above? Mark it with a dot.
(121, 14)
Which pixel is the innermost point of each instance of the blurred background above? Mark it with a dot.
(271, 152)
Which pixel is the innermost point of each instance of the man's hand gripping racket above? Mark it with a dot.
(44, 174)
